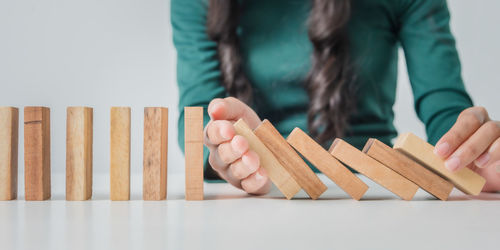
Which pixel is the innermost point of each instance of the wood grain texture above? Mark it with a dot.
(155, 153)
(290, 160)
(328, 165)
(37, 153)
(120, 154)
(422, 152)
(373, 169)
(281, 178)
(9, 134)
(79, 135)
(408, 168)
(193, 147)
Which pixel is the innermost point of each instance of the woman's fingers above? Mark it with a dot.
(217, 132)
(232, 109)
(247, 165)
(474, 146)
(490, 158)
(467, 123)
(257, 183)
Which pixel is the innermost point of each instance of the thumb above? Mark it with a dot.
(232, 109)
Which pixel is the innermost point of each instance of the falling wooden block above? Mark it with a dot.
(328, 165)
(408, 168)
(79, 124)
(373, 169)
(276, 172)
(120, 154)
(290, 160)
(419, 150)
(155, 153)
(37, 153)
(193, 143)
(9, 131)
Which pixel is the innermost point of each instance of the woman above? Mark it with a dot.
(330, 68)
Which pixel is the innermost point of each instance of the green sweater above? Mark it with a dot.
(277, 56)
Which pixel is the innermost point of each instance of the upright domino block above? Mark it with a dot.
(193, 143)
(120, 154)
(328, 165)
(37, 153)
(9, 131)
(419, 150)
(408, 168)
(373, 169)
(289, 159)
(276, 172)
(155, 153)
(79, 135)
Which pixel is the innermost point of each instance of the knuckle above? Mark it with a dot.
(470, 152)
(492, 128)
(481, 110)
(213, 162)
(224, 154)
(237, 172)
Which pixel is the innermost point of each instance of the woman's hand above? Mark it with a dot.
(474, 142)
(230, 155)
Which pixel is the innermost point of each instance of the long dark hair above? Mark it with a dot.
(330, 80)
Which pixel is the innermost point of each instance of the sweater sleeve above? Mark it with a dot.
(198, 75)
(433, 65)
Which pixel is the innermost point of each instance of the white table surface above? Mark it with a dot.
(229, 219)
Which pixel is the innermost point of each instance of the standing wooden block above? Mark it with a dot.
(408, 168)
(155, 154)
(9, 131)
(373, 169)
(419, 150)
(276, 172)
(37, 153)
(79, 124)
(328, 165)
(120, 154)
(289, 159)
(193, 143)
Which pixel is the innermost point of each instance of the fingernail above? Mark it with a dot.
(452, 164)
(482, 160)
(258, 176)
(442, 149)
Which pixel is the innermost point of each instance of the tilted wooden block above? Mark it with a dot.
(37, 153)
(276, 172)
(79, 135)
(155, 153)
(373, 169)
(120, 154)
(419, 150)
(289, 159)
(9, 134)
(408, 168)
(328, 165)
(193, 147)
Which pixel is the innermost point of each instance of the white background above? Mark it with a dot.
(104, 53)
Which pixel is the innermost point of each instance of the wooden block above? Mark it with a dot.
(328, 165)
(408, 168)
(373, 169)
(419, 150)
(155, 153)
(290, 160)
(193, 143)
(9, 133)
(37, 153)
(276, 172)
(120, 154)
(79, 135)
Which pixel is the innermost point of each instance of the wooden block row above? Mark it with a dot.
(275, 170)
(9, 131)
(422, 152)
(373, 169)
(408, 168)
(320, 158)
